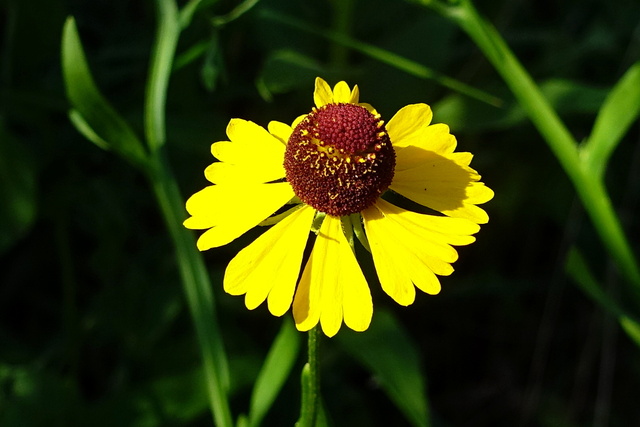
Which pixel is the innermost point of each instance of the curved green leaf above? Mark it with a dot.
(620, 110)
(92, 111)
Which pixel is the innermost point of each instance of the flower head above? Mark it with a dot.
(333, 165)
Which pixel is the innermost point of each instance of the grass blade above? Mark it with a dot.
(620, 110)
(275, 370)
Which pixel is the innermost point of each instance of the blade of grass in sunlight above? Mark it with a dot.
(384, 56)
(619, 111)
(578, 269)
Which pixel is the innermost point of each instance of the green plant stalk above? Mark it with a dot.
(310, 401)
(164, 49)
(590, 189)
(195, 278)
(197, 289)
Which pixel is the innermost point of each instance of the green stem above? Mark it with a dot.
(195, 278)
(164, 50)
(590, 189)
(310, 384)
(197, 289)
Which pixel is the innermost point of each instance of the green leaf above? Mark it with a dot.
(83, 127)
(92, 112)
(620, 110)
(631, 327)
(578, 269)
(275, 370)
(390, 353)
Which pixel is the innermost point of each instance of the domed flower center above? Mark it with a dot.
(339, 159)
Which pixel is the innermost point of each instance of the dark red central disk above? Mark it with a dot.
(339, 159)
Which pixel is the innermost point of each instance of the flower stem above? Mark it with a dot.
(310, 384)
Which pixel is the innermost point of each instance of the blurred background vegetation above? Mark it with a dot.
(94, 329)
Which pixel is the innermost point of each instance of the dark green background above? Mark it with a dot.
(93, 326)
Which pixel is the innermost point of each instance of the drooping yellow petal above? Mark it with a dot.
(442, 184)
(332, 286)
(251, 155)
(408, 125)
(269, 267)
(322, 95)
(409, 248)
(231, 210)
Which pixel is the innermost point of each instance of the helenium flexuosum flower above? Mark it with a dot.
(333, 165)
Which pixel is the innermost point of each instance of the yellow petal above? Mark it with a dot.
(271, 264)
(226, 173)
(332, 286)
(322, 94)
(355, 95)
(249, 142)
(392, 272)
(253, 155)
(433, 139)
(442, 184)
(408, 125)
(341, 92)
(369, 108)
(233, 209)
(409, 248)
(280, 130)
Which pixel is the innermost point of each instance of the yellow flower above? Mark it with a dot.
(333, 165)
